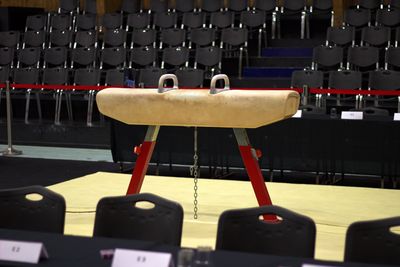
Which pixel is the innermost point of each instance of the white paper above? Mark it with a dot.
(139, 258)
(352, 115)
(298, 114)
(17, 251)
(396, 117)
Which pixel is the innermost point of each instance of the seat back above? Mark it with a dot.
(237, 5)
(246, 230)
(143, 37)
(253, 18)
(138, 21)
(221, 20)
(173, 37)
(363, 58)
(175, 57)
(85, 22)
(184, 5)
(121, 217)
(342, 36)
(142, 56)
(36, 23)
(55, 57)
(149, 77)
(322, 5)
(58, 75)
(60, 38)
(24, 213)
(384, 80)
(189, 77)
(165, 20)
(373, 242)
(327, 57)
(130, 6)
(88, 76)
(114, 38)
(112, 21)
(310, 78)
(9, 39)
(113, 57)
(158, 6)
(357, 17)
(193, 20)
(378, 36)
(115, 77)
(212, 5)
(265, 5)
(389, 17)
(345, 79)
(34, 39)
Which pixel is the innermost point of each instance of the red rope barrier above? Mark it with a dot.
(300, 90)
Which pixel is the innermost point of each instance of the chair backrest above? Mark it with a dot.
(193, 20)
(165, 20)
(115, 77)
(6, 56)
(9, 39)
(357, 17)
(60, 38)
(189, 77)
(265, 5)
(327, 57)
(246, 230)
(324, 5)
(142, 56)
(83, 56)
(22, 212)
(57, 75)
(173, 37)
(253, 18)
(237, 5)
(378, 36)
(29, 57)
(144, 37)
(370, 4)
(310, 78)
(363, 57)
(294, 5)
(175, 57)
(138, 21)
(26, 75)
(88, 76)
(85, 39)
(113, 57)
(389, 17)
(4, 74)
(202, 36)
(36, 23)
(130, 6)
(121, 217)
(86, 22)
(112, 21)
(234, 36)
(373, 242)
(34, 39)
(61, 22)
(68, 6)
(55, 57)
(149, 77)
(345, 79)
(341, 36)
(212, 5)
(384, 80)
(158, 6)
(90, 7)
(184, 5)
(392, 58)
(222, 19)
(208, 56)
(114, 38)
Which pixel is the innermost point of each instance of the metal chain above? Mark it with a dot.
(195, 172)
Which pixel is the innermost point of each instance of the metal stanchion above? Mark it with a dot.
(10, 151)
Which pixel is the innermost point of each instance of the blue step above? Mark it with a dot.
(287, 52)
(250, 72)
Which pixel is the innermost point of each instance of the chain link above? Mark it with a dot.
(195, 172)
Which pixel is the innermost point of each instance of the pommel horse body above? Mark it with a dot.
(223, 108)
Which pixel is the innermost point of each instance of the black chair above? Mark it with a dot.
(68, 6)
(202, 37)
(172, 37)
(83, 57)
(165, 20)
(29, 57)
(245, 230)
(385, 80)
(85, 39)
(378, 36)
(234, 44)
(193, 20)
(90, 7)
(388, 17)
(357, 17)
(23, 212)
(114, 38)
(184, 6)
(363, 58)
(86, 22)
(343, 36)
(293, 8)
(305, 79)
(10, 39)
(60, 22)
(91, 77)
(373, 242)
(222, 19)
(60, 38)
(144, 56)
(7, 57)
(55, 57)
(149, 77)
(34, 39)
(138, 21)
(372, 5)
(237, 5)
(112, 21)
(58, 75)
(327, 58)
(36, 23)
(189, 77)
(392, 58)
(209, 59)
(130, 6)
(158, 6)
(113, 58)
(115, 77)
(212, 5)
(254, 21)
(174, 58)
(346, 79)
(144, 37)
(121, 217)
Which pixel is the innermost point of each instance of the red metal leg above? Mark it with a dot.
(145, 152)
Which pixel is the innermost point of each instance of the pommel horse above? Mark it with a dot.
(218, 107)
